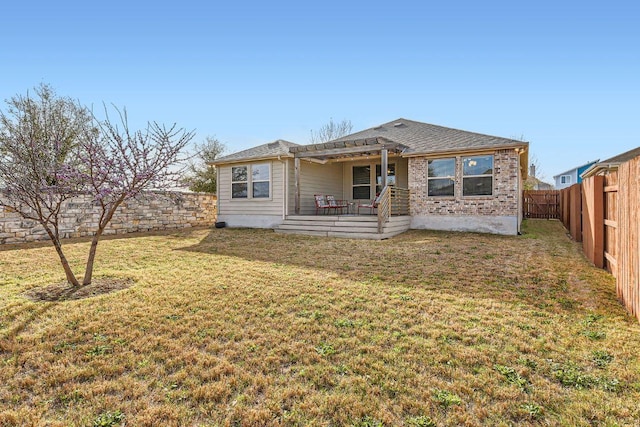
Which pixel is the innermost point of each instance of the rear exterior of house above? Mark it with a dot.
(451, 179)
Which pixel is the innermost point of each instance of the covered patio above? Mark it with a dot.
(368, 176)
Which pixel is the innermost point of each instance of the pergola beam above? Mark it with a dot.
(337, 152)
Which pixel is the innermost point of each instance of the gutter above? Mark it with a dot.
(466, 150)
(248, 159)
(599, 167)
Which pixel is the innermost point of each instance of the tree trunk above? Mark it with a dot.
(88, 272)
(106, 218)
(71, 278)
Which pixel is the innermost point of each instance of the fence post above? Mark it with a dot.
(575, 212)
(593, 219)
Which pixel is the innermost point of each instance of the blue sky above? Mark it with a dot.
(564, 75)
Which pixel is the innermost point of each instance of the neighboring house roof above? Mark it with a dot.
(586, 165)
(264, 151)
(612, 162)
(425, 138)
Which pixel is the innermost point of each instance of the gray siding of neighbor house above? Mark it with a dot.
(259, 213)
(498, 213)
(573, 174)
(401, 164)
(315, 178)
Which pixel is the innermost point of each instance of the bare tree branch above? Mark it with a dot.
(331, 131)
(53, 149)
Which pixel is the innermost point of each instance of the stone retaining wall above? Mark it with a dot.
(156, 211)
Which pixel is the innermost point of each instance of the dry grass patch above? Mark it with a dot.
(246, 327)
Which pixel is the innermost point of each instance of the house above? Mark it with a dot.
(572, 176)
(534, 183)
(606, 166)
(423, 176)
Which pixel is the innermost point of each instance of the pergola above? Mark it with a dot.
(343, 149)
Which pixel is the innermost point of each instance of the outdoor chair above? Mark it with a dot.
(321, 203)
(337, 204)
(369, 204)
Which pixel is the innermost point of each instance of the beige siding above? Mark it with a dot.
(315, 178)
(274, 205)
(402, 173)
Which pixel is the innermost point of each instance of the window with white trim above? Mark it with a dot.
(239, 182)
(477, 176)
(565, 179)
(361, 182)
(256, 177)
(441, 177)
(260, 180)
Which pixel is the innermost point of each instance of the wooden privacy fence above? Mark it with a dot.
(604, 214)
(541, 204)
(628, 226)
(571, 210)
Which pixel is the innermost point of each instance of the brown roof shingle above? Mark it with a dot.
(272, 149)
(424, 138)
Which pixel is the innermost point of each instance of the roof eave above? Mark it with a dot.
(599, 167)
(524, 146)
(250, 159)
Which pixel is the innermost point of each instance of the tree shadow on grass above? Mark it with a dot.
(511, 269)
(51, 296)
(6, 247)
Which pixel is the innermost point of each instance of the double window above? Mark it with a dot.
(251, 181)
(477, 176)
(565, 179)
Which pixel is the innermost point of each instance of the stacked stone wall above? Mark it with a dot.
(152, 211)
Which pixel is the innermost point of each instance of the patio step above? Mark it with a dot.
(346, 226)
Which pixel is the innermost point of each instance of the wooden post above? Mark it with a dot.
(575, 212)
(296, 163)
(593, 219)
(384, 165)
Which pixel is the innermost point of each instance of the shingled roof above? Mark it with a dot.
(264, 151)
(612, 162)
(624, 157)
(408, 136)
(425, 138)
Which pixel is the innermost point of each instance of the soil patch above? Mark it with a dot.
(65, 291)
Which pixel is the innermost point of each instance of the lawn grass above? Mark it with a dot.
(248, 327)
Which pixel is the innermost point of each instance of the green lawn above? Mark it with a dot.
(247, 327)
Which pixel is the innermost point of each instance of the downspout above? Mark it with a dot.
(285, 180)
(217, 193)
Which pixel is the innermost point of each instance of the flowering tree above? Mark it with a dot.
(52, 149)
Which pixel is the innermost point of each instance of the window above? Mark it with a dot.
(391, 176)
(441, 175)
(239, 182)
(260, 180)
(565, 179)
(361, 182)
(256, 177)
(477, 176)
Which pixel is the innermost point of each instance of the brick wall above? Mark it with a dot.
(150, 212)
(504, 200)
